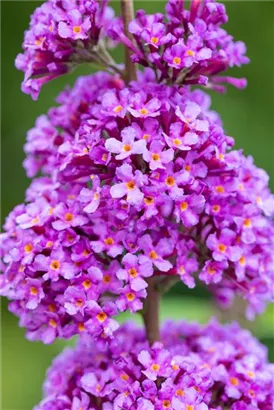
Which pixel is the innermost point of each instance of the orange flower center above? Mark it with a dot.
(190, 53)
(52, 308)
(130, 296)
(234, 381)
(182, 270)
(107, 279)
(155, 40)
(124, 377)
(211, 270)
(87, 284)
(130, 185)
(184, 206)
(53, 323)
(247, 223)
(133, 273)
(222, 248)
(180, 393)
(77, 29)
(127, 148)
(28, 248)
(55, 265)
(177, 60)
(177, 142)
(170, 181)
(153, 255)
(109, 241)
(33, 291)
(69, 217)
(155, 367)
(39, 41)
(216, 208)
(242, 261)
(51, 210)
(155, 157)
(118, 108)
(220, 189)
(81, 327)
(143, 111)
(149, 200)
(101, 317)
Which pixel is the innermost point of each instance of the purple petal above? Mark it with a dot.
(118, 190)
(64, 30)
(114, 146)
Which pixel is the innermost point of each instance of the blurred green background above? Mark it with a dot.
(247, 115)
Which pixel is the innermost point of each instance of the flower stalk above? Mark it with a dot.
(127, 13)
(151, 312)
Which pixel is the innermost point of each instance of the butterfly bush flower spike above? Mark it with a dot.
(135, 186)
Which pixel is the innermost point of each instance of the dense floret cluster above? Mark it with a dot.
(184, 46)
(140, 181)
(195, 368)
(136, 185)
(63, 34)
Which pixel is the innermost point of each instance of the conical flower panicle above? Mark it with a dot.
(136, 185)
(141, 181)
(195, 368)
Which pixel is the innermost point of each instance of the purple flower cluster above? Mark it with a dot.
(63, 34)
(196, 367)
(136, 186)
(140, 181)
(185, 46)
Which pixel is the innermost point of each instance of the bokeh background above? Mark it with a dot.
(247, 115)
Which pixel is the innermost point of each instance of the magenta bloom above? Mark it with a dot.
(156, 157)
(141, 108)
(75, 28)
(82, 234)
(61, 35)
(180, 55)
(129, 186)
(128, 146)
(184, 46)
(200, 367)
(138, 187)
(135, 272)
(223, 247)
(189, 209)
